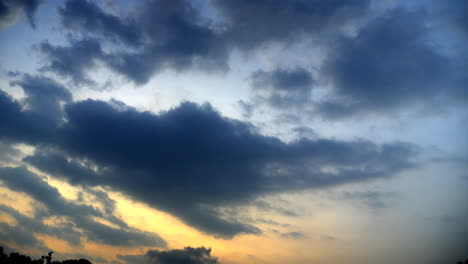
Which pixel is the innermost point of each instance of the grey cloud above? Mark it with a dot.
(174, 35)
(43, 96)
(454, 11)
(188, 255)
(23, 232)
(72, 62)
(275, 207)
(394, 62)
(390, 64)
(283, 88)
(11, 9)
(294, 235)
(253, 23)
(8, 152)
(88, 17)
(371, 199)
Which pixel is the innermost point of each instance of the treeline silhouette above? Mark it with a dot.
(16, 258)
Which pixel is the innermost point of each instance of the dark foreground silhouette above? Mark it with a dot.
(16, 258)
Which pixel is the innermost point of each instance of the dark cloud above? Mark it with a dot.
(174, 35)
(252, 23)
(43, 96)
(11, 9)
(88, 17)
(35, 118)
(283, 88)
(454, 11)
(188, 255)
(162, 34)
(391, 63)
(189, 161)
(394, 61)
(72, 61)
(79, 217)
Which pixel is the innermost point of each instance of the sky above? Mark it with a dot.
(235, 131)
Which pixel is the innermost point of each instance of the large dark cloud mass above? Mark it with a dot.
(188, 161)
(391, 63)
(10, 9)
(163, 34)
(174, 34)
(259, 22)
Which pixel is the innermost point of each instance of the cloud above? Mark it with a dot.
(38, 115)
(294, 235)
(454, 12)
(283, 88)
(8, 152)
(258, 22)
(391, 63)
(188, 255)
(10, 10)
(23, 232)
(73, 62)
(188, 161)
(88, 17)
(80, 217)
(276, 206)
(374, 200)
(134, 259)
(175, 35)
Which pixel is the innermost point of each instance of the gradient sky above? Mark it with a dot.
(235, 131)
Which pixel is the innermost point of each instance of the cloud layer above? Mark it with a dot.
(188, 161)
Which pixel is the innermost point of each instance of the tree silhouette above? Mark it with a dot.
(16, 258)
